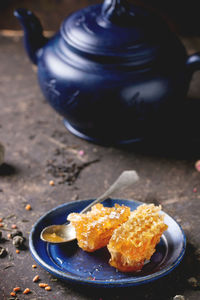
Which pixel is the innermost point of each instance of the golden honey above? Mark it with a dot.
(52, 237)
(95, 228)
(135, 240)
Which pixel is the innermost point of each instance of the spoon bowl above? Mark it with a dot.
(58, 233)
(66, 232)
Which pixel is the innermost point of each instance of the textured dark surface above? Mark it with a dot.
(40, 149)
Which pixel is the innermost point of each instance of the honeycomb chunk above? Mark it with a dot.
(135, 240)
(94, 228)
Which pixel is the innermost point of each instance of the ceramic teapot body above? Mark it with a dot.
(111, 79)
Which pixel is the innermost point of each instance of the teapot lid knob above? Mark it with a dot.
(115, 10)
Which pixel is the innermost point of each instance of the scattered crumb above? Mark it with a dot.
(51, 183)
(81, 152)
(179, 297)
(34, 266)
(28, 207)
(3, 252)
(178, 220)
(193, 282)
(43, 285)
(197, 165)
(75, 197)
(26, 291)
(36, 278)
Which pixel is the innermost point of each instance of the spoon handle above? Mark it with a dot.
(124, 180)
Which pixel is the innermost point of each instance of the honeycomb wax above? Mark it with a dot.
(94, 228)
(135, 240)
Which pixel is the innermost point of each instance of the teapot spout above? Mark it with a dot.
(33, 33)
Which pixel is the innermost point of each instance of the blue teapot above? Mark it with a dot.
(114, 71)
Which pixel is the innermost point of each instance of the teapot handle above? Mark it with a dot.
(193, 62)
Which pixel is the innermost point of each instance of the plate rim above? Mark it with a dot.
(124, 282)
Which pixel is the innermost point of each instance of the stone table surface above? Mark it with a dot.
(38, 149)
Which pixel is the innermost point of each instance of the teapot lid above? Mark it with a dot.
(115, 30)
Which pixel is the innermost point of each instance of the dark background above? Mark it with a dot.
(183, 16)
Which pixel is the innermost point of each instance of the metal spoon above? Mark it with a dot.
(66, 233)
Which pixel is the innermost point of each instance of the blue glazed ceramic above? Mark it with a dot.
(114, 71)
(70, 263)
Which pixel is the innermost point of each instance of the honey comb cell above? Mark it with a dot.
(135, 240)
(95, 228)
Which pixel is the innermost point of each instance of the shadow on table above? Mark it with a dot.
(7, 170)
(179, 139)
(164, 288)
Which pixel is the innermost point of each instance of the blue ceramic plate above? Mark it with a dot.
(70, 263)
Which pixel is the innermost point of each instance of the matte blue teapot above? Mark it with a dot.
(114, 71)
